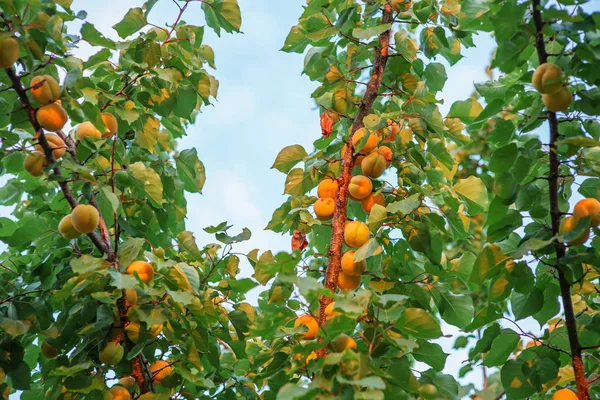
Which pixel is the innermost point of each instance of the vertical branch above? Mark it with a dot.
(559, 248)
(341, 200)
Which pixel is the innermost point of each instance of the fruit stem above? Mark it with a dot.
(341, 200)
(555, 214)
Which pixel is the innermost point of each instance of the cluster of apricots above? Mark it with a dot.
(548, 79)
(584, 208)
(83, 219)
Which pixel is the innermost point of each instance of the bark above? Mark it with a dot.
(555, 214)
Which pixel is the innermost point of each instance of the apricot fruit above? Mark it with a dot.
(87, 129)
(111, 354)
(311, 325)
(35, 49)
(85, 218)
(160, 370)
(350, 267)
(52, 117)
(34, 163)
(392, 131)
(327, 188)
(567, 225)
(127, 382)
(131, 296)
(57, 145)
(368, 202)
(143, 269)
(373, 165)
(348, 282)
(9, 52)
(558, 101)
(66, 229)
(400, 5)
(358, 136)
(564, 394)
(45, 89)
(112, 126)
(120, 393)
(587, 207)
(547, 78)
(342, 342)
(356, 233)
(324, 208)
(428, 391)
(329, 310)
(360, 187)
(48, 350)
(386, 153)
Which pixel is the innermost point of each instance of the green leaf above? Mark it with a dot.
(503, 159)
(147, 53)
(187, 243)
(147, 136)
(525, 305)
(129, 250)
(298, 182)
(467, 110)
(369, 249)
(431, 354)
(514, 382)
(288, 157)
(367, 33)
(456, 310)
(419, 324)
(502, 347)
(435, 76)
(473, 191)
(150, 179)
(222, 14)
(224, 238)
(91, 35)
(133, 21)
(190, 170)
(437, 148)
(405, 206)
(490, 262)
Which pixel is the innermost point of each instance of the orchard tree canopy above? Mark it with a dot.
(405, 223)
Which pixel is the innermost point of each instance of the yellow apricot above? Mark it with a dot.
(57, 145)
(373, 165)
(342, 342)
(143, 269)
(120, 393)
(360, 187)
(127, 382)
(347, 282)
(368, 202)
(329, 310)
(564, 394)
(324, 208)
(558, 101)
(567, 225)
(111, 354)
(327, 188)
(9, 52)
(48, 350)
(34, 163)
(392, 130)
(547, 78)
(160, 370)
(358, 136)
(350, 267)
(45, 89)
(88, 129)
(356, 233)
(112, 126)
(52, 117)
(311, 325)
(587, 207)
(386, 153)
(66, 229)
(85, 218)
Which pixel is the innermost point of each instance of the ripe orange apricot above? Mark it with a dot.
(392, 130)
(564, 394)
(45, 89)
(143, 269)
(327, 188)
(88, 129)
(9, 52)
(350, 267)
(386, 153)
(373, 165)
(112, 126)
(57, 145)
(85, 218)
(347, 282)
(587, 207)
(368, 202)
(356, 233)
(160, 370)
(342, 342)
(567, 225)
(329, 310)
(324, 208)
(310, 323)
(52, 117)
(547, 78)
(371, 141)
(34, 163)
(66, 229)
(360, 187)
(119, 393)
(558, 101)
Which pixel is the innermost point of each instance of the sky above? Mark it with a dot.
(263, 105)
